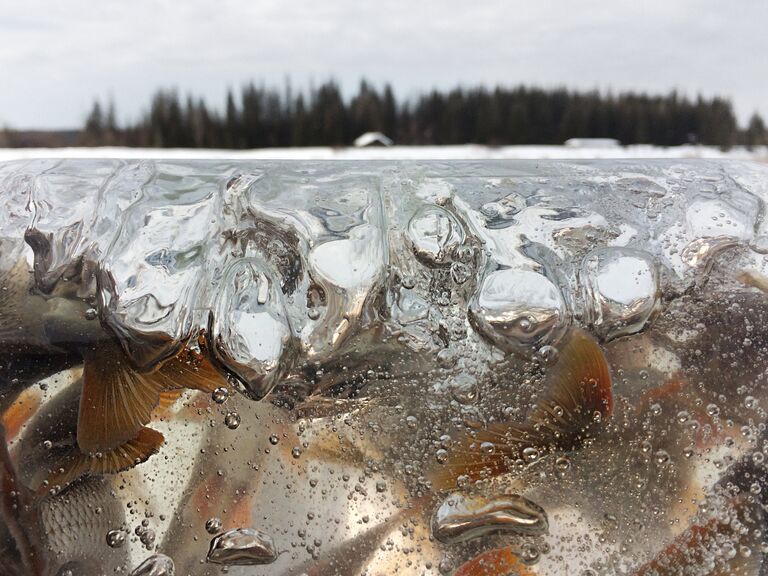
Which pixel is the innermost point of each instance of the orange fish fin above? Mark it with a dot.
(116, 401)
(14, 285)
(19, 413)
(168, 398)
(580, 394)
(492, 563)
(190, 369)
(476, 454)
(697, 548)
(579, 397)
(146, 443)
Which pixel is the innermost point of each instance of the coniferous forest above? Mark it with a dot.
(257, 117)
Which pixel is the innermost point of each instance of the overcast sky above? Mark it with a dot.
(56, 56)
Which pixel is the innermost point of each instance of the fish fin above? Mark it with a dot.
(169, 397)
(14, 286)
(493, 562)
(20, 412)
(754, 279)
(116, 401)
(580, 396)
(695, 548)
(132, 453)
(190, 369)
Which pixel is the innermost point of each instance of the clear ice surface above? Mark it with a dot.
(322, 344)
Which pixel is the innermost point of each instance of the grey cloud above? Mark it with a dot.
(55, 57)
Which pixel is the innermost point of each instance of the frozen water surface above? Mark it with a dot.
(442, 367)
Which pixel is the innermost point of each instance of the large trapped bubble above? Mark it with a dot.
(383, 368)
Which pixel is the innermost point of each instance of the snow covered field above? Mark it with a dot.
(468, 152)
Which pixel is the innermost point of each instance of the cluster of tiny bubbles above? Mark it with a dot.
(145, 533)
(91, 314)
(115, 538)
(213, 525)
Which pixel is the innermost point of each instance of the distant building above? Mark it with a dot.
(372, 139)
(592, 143)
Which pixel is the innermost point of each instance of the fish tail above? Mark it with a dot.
(578, 400)
(119, 459)
(697, 548)
(117, 400)
(14, 499)
(15, 284)
(492, 563)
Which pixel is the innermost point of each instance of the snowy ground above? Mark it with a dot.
(470, 152)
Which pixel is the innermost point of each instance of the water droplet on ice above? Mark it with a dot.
(242, 547)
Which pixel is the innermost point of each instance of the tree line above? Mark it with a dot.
(260, 116)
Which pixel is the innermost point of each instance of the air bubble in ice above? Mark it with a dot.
(460, 272)
(501, 214)
(115, 538)
(242, 547)
(213, 525)
(349, 269)
(434, 234)
(700, 252)
(620, 289)
(248, 329)
(220, 395)
(155, 565)
(460, 518)
(232, 420)
(519, 311)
